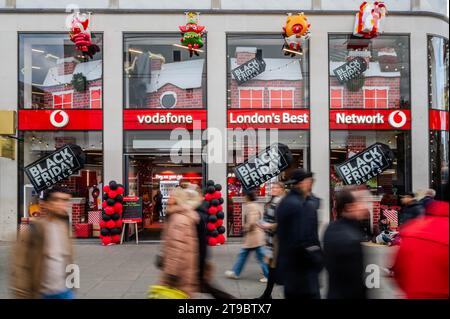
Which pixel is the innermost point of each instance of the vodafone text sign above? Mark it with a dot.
(164, 119)
(349, 119)
(279, 119)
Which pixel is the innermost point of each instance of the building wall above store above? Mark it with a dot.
(433, 6)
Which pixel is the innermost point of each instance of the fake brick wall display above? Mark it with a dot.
(111, 223)
(213, 201)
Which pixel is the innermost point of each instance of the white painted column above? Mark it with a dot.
(112, 105)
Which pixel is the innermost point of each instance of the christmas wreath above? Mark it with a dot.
(356, 84)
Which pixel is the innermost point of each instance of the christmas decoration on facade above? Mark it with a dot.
(295, 32)
(80, 33)
(369, 20)
(192, 34)
(213, 202)
(111, 224)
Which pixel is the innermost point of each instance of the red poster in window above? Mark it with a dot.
(439, 120)
(55, 120)
(360, 119)
(263, 118)
(152, 119)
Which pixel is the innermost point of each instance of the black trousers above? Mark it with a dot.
(270, 284)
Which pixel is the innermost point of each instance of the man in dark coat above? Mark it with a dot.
(411, 208)
(343, 253)
(299, 258)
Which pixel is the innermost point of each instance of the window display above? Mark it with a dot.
(53, 74)
(160, 75)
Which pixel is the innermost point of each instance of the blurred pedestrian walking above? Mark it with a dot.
(421, 265)
(343, 254)
(411, 208)
(253, 239)
(300, 258)
(269, 225)
(42, 254)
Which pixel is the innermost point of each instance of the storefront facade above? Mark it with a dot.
(123, 118)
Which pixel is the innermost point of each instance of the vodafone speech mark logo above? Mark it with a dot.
(397, 119)
(59, 118)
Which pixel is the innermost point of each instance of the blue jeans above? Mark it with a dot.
(66, 294)
(242, 258)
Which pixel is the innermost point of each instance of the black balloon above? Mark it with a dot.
(220, 215)
(212, 218)
(206, 204)
(210, 183)
(220, 201)
(214, 233)
(105, 232)
(116, 231)
(119, 198)
(106, 217)
(218, 187)
(215, 202)
(113, 185)
(221, 229)
(110, 202)
(115, 216)
(105, 196)
(211, 189)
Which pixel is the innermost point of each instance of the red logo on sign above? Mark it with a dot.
(51, 120)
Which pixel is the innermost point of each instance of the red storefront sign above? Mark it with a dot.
(57, 120)
(164, 119)
(350, 119)
(439, 120)
(279, 119)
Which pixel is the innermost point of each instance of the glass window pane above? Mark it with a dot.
(438, 66)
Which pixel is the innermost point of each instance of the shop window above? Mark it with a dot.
(153, 66)
(384, 84)
(63, 100)
(282, 83)
(96, 98)
(336, 97)
(49, 65)
(251, 98)
(85, 186)
(375, 98)
(281, 98)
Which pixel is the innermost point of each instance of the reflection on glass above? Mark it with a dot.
(54, 75)
(159, 75)
(438, 55)
(385, 82)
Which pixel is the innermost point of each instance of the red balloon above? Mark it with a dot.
(220, 239)
(219, 208)
(212, 241)
(112, 194)
(110, 224)
(104, 204)
(106, 188)
(120, 190)
(118, 208)
(109, 210)
(102, 224)
(212, 210)
(209, 197)
(219, 223)
(211, 226)
(106, 240)
(115, 239)
(217, 195)
(119, 223)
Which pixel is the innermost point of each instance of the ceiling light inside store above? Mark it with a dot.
(135, 51)
(51, 56)
(36, 67)
(36, 50)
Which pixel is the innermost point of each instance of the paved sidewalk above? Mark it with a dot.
(126, 271)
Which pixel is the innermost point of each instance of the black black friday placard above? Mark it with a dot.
(248, 70)
(55, 167)
(365, 165)
(350, 70)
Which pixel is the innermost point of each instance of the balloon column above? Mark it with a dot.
(111, 224)
(192, 33)
(80, 34)
(214, 201)
(369, 19)
(295, 31)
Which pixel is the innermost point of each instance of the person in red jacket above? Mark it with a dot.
(421, 266)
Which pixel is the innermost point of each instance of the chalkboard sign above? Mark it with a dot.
(132, 209)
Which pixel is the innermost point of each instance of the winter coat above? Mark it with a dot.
(410, 212)
(180, 249)
(28, 260)
(253, 235)
(298, 267)
(344, 260)
(421, 266)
